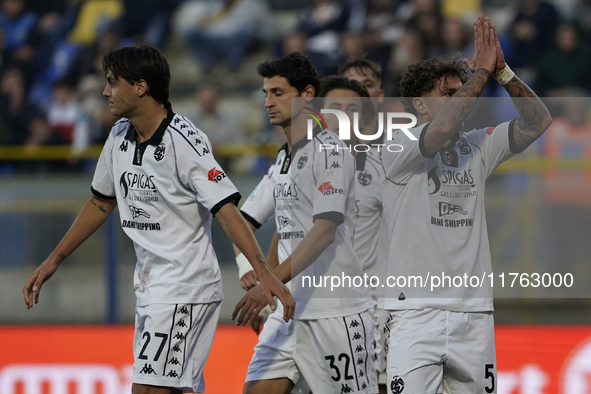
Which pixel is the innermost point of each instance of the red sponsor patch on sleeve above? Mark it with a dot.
(490, 130)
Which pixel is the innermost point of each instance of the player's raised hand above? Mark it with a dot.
(500, 55)
(36, 280)
(485, 46)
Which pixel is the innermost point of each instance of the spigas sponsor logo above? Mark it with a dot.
(216, 175)
(327, 189)
(285, 190)
(132, 181)
(448, 178)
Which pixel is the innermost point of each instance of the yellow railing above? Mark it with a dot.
(64, 152)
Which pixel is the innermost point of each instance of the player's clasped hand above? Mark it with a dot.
(485, 46)
(36, 280)
(249, 280)
(258, 297)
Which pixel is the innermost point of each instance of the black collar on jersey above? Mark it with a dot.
(303, 142)
(156, 138)
(360, 161)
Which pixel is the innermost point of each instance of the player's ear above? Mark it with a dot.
(308, 92)
(141, 87)
(419, 105)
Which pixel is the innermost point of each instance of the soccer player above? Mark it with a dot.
(159, 169)
(327, 348)
(370, 223)
(434, 205)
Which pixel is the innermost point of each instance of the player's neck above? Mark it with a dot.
(147, 119)
(295, 131)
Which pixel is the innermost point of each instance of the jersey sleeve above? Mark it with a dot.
(259, 207)
(401, 156)
(333, 175)
(103, 184)
(495, 144)
(199, 171)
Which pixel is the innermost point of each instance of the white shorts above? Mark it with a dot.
(431, 349)
(380, 353)
(171, 344)
(332, 356)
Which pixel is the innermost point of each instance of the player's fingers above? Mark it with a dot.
(486, 32)
(478, 31)
(237, 308)
(246, 313)
(270, 300)
(469, 62)
(28, 289)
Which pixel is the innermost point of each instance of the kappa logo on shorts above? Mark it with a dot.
(172, 374)
(147, 369)
(215, 175)
(354, 324)
(181, 323)
(176, 348)
(397, 385)
(357, 336)
(174, 361)
(179, 336)
(359, 348)
(184, 310)
(346, 389)
(302, 161)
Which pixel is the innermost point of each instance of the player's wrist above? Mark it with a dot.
(504, 75)
(243, 265)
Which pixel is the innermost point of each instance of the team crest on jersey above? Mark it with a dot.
(284, 222)
(159, 152)
(397, 385)
(302, 161)
(447, 158)
(215, 175)
(364, 178)
(464, 147)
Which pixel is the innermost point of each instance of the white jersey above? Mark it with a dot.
(368, 209)
(434, 206)
(318, 185)
(259, 207)
(167, 189)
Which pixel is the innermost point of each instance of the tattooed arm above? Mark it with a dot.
(92, 215)
(534, 118)
(451, 116)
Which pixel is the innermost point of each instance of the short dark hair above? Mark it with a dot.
(333, 82)
(420, 78)
(360, 65)
(140, 62)
(296, 68)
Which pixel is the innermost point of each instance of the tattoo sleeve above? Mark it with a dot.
(534, 118)
(455, 111)
(100, 207)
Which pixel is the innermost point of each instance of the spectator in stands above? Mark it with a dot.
(149, 19)
(455, 40)
(221, 128)
(17, 24)
(382, 30)
(408, 50)
(22, 120)
(322, 23)
(565, 65)
(223, 29)
(426, 22)
(531, 33)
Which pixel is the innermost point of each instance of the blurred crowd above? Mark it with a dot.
(51, 79)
